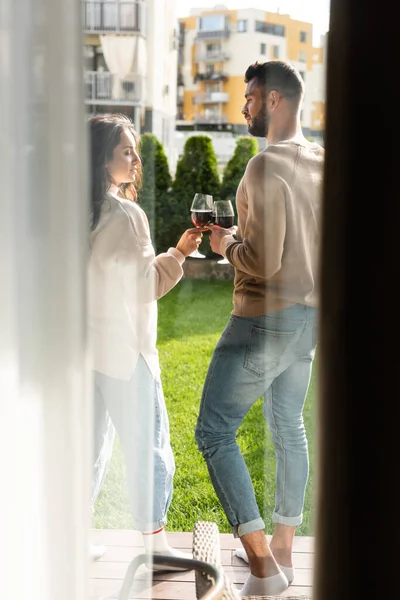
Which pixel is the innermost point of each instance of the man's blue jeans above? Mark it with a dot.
(269, 356)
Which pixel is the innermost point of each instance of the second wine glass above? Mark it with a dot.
(224, 216)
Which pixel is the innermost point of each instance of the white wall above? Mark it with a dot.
(315, 87)
(162, 56)
(244, 49)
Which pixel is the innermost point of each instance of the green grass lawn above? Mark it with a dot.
(191, 319)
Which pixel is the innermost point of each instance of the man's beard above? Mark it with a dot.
(260, 124)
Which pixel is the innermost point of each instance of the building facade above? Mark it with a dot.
(216, 47)
(130, 61)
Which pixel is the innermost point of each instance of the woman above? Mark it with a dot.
(125, 281)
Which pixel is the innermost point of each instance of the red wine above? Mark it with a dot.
(225, 221)
(200, 218)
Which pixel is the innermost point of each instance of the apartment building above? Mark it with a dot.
(130, 59)
(215, 48)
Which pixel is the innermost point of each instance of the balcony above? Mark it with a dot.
(211, 76)
(212, 98)
(212, 57)
(114, 16)
(211, 119)
(102, 87)
(213, 35)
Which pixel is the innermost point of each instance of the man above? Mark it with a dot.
(268, 345)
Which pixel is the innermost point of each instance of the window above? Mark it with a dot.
(211, 114)
(242, 25)
(213, 48)
(210, 70)
(303, 36)
(212, 88)
(212, 23)
(302, 56)
(88, 57)
(275, 52)
(263, 48)
(264, 27)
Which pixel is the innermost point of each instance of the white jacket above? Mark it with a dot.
(125, 281)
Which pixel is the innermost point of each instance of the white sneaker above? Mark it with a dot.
(96, 552)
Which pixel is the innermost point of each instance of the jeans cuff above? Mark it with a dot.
(249, 527)
(289, 521)
(150, 527)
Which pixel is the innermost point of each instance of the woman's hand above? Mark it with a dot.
(190, 240)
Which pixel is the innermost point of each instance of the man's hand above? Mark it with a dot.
(217, 234)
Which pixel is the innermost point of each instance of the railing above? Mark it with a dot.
(211, 119)
(210, 35)
(212, 56)
(102, 87)
(210, 77)
(211, 98)
(118, 16)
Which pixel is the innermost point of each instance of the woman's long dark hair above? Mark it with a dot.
(105, 134)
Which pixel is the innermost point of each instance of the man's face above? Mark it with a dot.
(255, 110)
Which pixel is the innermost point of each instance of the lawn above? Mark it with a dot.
(191, 319)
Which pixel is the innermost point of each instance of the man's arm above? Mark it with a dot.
(259, 251)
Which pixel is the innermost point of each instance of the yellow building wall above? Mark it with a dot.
(189, 107)
(193, 59)
(318, 116)
(91, 40)
(318, 55)
(235, 87)
(190, 22)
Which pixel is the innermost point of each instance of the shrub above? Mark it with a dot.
(196, 172)
(155, 196)
(246, 147)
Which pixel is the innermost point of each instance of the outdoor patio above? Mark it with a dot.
(122, 546)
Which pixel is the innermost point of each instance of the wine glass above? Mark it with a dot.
(201, 214)
(224, 216)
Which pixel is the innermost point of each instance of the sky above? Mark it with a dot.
(310, 11)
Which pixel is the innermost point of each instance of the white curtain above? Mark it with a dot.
(119, 54)
(140, 61)
(45, 408)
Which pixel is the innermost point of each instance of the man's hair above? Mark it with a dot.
(277, 75)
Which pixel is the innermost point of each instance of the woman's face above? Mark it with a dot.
(125, 162)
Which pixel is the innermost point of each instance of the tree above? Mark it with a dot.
(155, 196)
(245, 148)
(196, 172)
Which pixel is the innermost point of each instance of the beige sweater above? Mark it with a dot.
(275, 252)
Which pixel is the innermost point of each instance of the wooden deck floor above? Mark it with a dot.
(122, 546)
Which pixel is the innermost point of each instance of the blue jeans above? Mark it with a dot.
(269, 356)
(136, 410)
